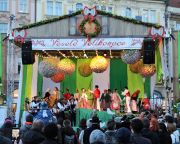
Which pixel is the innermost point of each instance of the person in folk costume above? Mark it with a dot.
(115, 101)
(126, 94)
(67, 95)
(61, 108)
(96, 96)
(72, 109)
(102, 100)
(54, 97)
(35, 105)
(146, 103)
(134, 101)
(47, 96)
(77, 98)
(84, 103)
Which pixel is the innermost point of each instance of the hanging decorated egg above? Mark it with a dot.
(58, 77)
(84, 69)
(99, 64)
(66, 66)
(147, 70)
(136, 66)
(48, 67)
(130, 56)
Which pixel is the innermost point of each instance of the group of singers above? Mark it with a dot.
(108, 100)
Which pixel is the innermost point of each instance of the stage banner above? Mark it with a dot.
(24, 82)
(102, 79)
(39, 81)
(158, 63)
(135, 82)
(83, 82)
(179, 58)
(118, 75)
(86, 44)
(1, 61)
(69, 81)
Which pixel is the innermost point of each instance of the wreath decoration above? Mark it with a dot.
(94, 28)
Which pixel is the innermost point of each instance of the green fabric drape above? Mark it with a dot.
(158, 63)
(147, 87)
(118, 74)
(29, 81)
(135, 82)
(23, 93)
(39, 81)
(69, 81)
(1, 67)
(83, 82)
(179, 58)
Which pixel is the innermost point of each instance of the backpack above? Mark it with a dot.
(110, 138)
(69, 139)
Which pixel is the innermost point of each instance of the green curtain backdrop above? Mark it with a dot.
(147, 87)
(39, 81)
(135, 82)
(158, 63)
(83, 82)
(69, 81)
(1, 67)
(23, 93)
(29, 81)
(118, 74)
(179, 57)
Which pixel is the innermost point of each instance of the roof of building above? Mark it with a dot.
(131, 20)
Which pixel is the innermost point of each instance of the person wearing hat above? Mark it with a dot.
(62, 106)
(97, 137)
(72, 109)
(123, 135)
(95, 126)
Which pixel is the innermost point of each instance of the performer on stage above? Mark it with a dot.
(146, 104)
(134, 101)
(35, 105)
(26, 111)
(115, 101)
(72, 108)
(67, 95)
(96, 96)
(62, 106)
(102, 100)
(84, 103)
(54, 97)
(47, 96)
(126, 94)
(77, 97)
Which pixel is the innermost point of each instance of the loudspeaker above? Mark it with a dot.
(149, 51)
(27, 53)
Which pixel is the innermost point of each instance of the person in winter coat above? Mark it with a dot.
(27, 126)
(34, 135)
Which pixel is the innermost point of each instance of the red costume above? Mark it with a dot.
(146, 104)
(96, 93)
(67, 96)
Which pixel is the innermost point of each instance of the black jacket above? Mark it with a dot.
(139, 139)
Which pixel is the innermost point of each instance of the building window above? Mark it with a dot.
(110, 9)
(128, 12)
(97, 7)
(58, 10)
(49, 7)
(79, 6)
(103, 8)
(23, 6)
(3, 5)
(3, 27)
(152, 16)
(72, 25)
(178, 26)
(104, 25)
(145, 15)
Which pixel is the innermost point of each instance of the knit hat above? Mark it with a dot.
(97, 136)
(123, 135)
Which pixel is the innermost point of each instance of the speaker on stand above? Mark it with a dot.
(27, 53)
(149, 51)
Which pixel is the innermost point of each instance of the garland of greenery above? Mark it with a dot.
(90, 35)
(98, 11)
